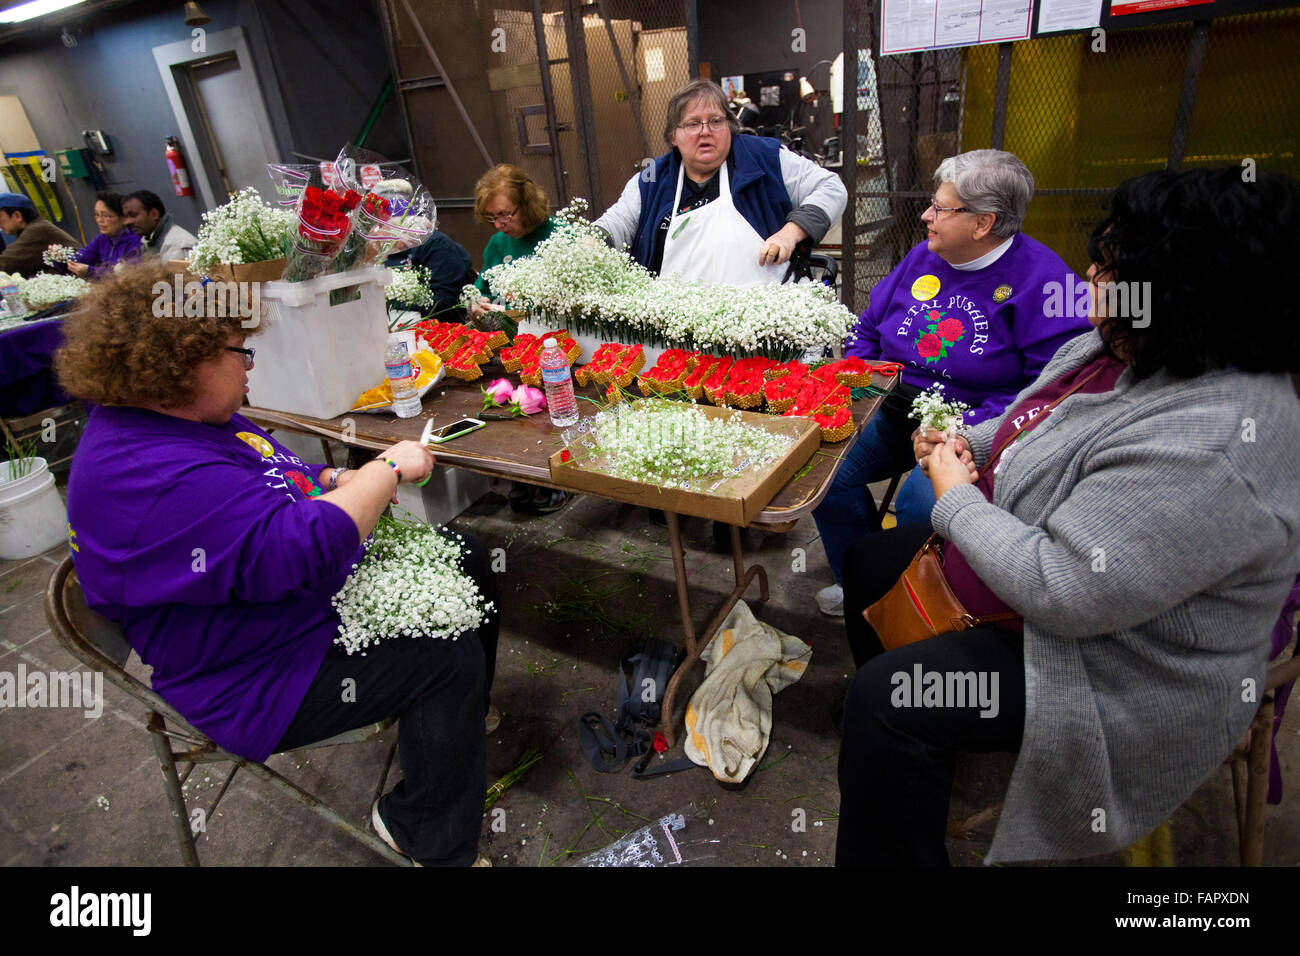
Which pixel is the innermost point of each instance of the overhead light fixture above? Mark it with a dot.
(36, 8)
(194, 15)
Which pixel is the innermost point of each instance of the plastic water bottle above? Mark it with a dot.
(401, 379)
(12, 301)
(560, 401)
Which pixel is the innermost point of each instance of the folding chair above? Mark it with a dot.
(99, 644)
(1252, 760)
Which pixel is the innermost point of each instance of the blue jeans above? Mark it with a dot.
(847, 513)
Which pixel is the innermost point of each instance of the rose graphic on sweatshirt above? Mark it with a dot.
(304, 483)
(940, 333)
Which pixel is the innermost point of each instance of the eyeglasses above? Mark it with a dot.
(247, 353)
(694, 127)
(934, 204)
(502, 216)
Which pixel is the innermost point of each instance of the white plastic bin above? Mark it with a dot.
(314, 358)
(32, 516)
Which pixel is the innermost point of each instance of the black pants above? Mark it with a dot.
(438, 691)
(910, 711)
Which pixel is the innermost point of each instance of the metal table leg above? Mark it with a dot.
(694, 647)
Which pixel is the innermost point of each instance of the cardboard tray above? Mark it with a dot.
(735, 501)
(267, 271)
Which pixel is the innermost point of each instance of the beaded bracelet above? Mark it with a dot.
(392, 464)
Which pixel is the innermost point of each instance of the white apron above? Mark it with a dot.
(715, 243)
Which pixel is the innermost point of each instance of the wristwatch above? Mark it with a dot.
(334, 478)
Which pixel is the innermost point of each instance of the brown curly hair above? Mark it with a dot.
(118, 349)
(523, 192)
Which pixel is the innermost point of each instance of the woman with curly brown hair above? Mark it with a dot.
(220, 550)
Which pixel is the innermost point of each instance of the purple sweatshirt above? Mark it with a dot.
(983, 334)
(105, 252)
(200, 541)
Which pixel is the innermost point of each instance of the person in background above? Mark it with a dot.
(450, 270)
(148, 218)
(33, 235)
(721, 207)
(114, 244)
(967, 308)
(508, 200)
(242, 644)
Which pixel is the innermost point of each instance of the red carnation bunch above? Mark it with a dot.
(324, 222)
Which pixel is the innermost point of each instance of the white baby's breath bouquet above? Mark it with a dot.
(574, 280)
(936, 414)
(45, 288)
(409, 290)
(674, 444)
(245, 229)
(409, 584)
(58, 255)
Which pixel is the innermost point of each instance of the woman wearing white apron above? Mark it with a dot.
(726, 209)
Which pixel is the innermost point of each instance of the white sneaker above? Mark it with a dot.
(831, 601)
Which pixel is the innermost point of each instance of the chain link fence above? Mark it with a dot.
(574, 93)
(1084, 111)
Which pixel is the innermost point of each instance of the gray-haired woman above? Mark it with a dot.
(724, 208)
(967, 309)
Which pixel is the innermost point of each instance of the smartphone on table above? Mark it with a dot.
(454, 430)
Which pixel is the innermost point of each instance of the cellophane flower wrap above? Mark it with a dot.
(409, 584)
(244, 229)
(396, 213)
(574, 280)
(324, 223)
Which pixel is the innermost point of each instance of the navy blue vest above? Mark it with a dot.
(757, 189)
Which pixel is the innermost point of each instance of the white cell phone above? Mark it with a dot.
(454, 430)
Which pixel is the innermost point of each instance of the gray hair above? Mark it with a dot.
(990, 180)
(705, 90)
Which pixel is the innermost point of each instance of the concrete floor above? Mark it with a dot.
(581, 588)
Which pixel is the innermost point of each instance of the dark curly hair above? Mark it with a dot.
(118, 349)
(1213, 248)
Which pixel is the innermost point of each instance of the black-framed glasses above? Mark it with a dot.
(934, 204)
(502, 216)
(695, 126)
(247, 353)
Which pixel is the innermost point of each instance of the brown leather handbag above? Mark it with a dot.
(921, 604)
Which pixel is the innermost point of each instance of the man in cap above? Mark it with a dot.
(18, 217)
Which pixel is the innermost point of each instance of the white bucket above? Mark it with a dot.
(32, 516)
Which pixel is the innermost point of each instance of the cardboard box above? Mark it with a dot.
(268, 271)
(735, 500)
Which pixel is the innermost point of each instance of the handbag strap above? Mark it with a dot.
(1028, 425)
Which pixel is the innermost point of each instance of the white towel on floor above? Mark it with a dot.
(729, 718)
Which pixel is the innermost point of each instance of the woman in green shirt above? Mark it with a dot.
(506, 198)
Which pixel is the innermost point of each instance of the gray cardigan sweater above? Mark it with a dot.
(1149, 536)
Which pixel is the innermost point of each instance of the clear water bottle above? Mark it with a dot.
(560, 401)
(401, 379)
(11, 300)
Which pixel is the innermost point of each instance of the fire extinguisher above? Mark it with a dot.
(176, 166)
